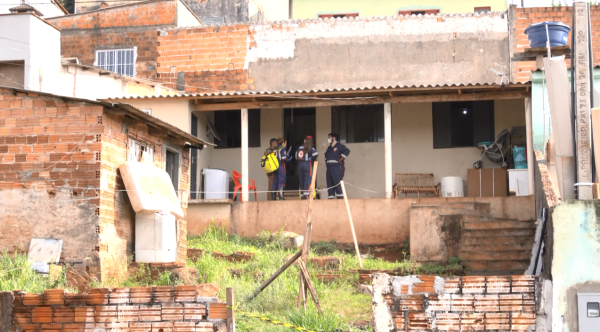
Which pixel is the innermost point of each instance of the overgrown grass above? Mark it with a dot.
(343, 305)
(16, 274)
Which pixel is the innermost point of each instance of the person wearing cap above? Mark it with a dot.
(305, 155)
(335, 158)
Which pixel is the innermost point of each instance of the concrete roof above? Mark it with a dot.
(131, 111)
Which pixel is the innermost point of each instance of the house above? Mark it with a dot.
(46, 8)
(60, 178)
(307, 9)
(30, 58)
(212, 12)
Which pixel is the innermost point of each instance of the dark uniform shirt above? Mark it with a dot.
(336, 153)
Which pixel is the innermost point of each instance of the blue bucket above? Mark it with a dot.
(519, 158)
(557, 31)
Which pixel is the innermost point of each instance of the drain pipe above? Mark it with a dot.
(573, 101)
(594, 178)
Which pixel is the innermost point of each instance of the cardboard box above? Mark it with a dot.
(488, 182)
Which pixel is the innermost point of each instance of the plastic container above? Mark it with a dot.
(557, 31)
(519, 158)
(452, 186)
(215, 183)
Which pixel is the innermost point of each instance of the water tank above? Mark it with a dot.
(452, 186)
(216, 183)
(557, 31)
(155, 238)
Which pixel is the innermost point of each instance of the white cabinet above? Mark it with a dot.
(518, 181)
(155, 238)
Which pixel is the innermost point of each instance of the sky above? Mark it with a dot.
(540, 3)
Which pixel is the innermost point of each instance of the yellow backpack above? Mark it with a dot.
(270, 163)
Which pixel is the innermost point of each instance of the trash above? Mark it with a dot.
(42, 252)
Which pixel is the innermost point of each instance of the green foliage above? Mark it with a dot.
(311, 319)
(323, 248)
(16, 274)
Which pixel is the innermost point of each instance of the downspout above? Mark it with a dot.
(594, 178)
(573, 102)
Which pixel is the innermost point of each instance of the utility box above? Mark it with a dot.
(588, 308)
(155, 238)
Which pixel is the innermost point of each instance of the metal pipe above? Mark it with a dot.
(591, 88)
(573, 101)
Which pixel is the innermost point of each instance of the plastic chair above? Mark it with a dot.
(238, 186)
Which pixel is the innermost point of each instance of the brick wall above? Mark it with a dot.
(117, 217)
(208, 59)
(473, 303)
(121, 309)
(524, 17)
(149, 14)
(49, 177)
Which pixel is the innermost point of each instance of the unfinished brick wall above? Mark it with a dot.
(471, 303)
(49, 172)
(173, 309)
(205, 59)
(117, 218)
(524, 17)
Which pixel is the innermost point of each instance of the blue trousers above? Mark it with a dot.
(335, 174)
(278, 178)
(305, 177)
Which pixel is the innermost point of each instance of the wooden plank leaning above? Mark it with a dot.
(275, 275)
(307, 232)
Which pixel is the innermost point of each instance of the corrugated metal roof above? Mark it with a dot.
(296, 92)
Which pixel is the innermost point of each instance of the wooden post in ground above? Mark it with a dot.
(230, 314)
(275, 275)
(351, 224)
(309, 285)
(307, 231)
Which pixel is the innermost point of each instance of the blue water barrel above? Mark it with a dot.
(537, 34)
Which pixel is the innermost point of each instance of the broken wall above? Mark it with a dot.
(49, 173)
(470, 303)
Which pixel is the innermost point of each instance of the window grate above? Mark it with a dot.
(117, 61)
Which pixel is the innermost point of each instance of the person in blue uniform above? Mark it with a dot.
(305, 155)
(279, 176)
(335, 158)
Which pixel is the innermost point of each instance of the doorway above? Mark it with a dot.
(298, 123)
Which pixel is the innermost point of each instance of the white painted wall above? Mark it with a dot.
(175, 111)
(185, 17)
(46, 7)
(272, 10)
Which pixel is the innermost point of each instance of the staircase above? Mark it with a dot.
(486, 244)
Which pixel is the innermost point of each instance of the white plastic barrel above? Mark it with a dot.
(215, 183)
(452, 186)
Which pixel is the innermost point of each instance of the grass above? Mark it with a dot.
(16, 274)
(342, 304)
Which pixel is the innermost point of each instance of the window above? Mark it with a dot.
(481, 10)
(12, 73)
(138, 151)
(462, 124)
(172, 167)
(338, 15)
(229, 129)
(358, 123)
(118, 61)
(419, 12)
(194, 161)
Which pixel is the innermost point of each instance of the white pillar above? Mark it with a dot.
(245, 174)
(387, 124)
(530, 154)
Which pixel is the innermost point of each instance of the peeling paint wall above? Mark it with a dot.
(576, 260)
(233, 11)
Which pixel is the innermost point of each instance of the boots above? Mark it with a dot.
(273, 196)
(281, 196)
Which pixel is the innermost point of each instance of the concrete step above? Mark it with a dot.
(467, 208)
(488, 218)
(498, 247)
(498, 240)
(514, 265)
(492, 233)
(495, 273)
(498, 224)
(506, 255)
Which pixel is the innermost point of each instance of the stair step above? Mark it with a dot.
(499, 224)
(507, 255)
(489, 218)
(500, 247)
(495, 272)
(514, 265)
(502, 240)
(492, 233)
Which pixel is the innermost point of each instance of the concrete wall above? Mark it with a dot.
(576, 263)
(13, 74)
(376, 221)
(234, 11)
(185, 16)
(47, 7)
(174, 111)
(381, 52)
(412, 146)
(202, 214)
(268, 10)
(304, 9)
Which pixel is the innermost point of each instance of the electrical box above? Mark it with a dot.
(588, 308)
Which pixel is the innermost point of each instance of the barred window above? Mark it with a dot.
(117, 61)
(136, 150)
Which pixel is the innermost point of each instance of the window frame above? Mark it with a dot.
(176, 167)
(377, 130)
(337, 15)
(254, 130)
(115, 57)
(139, 146)
(483, 114)
(419, 11)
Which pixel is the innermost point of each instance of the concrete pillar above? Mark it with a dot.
(245, 172)
(387, 124)
(530, 155)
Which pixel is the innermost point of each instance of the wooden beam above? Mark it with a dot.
(275, 275)
(376, 100)
(313, 293)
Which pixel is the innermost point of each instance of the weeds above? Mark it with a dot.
(16, 274)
